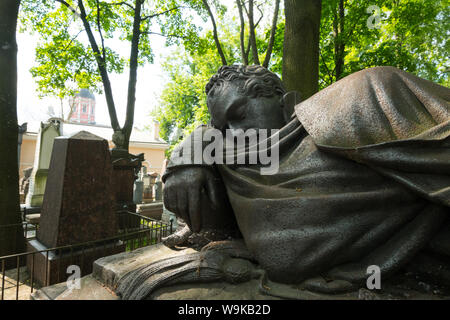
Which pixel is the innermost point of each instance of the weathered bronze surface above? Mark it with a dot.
(363, 179)
(79, 200)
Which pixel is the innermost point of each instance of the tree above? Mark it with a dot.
(215, 33)
(182, 104)
(62, 76)
(301, 46)
(100, 20)
(411, 35)
(11, 238)
(252, 45)
(252, 38)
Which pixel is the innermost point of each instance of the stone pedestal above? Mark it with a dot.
(125, 169)
(50, 268)
(108, 270)
(152, 210)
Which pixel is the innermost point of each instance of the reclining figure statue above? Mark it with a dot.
(362, 179)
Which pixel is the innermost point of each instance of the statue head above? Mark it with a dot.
(244, 97)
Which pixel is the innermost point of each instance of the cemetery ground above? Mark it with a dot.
(17, 283)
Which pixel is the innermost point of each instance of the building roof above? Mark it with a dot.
(85, 93)
(138, 136)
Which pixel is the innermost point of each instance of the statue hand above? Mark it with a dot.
(183, 193)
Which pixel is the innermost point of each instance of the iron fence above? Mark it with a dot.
(37, 268)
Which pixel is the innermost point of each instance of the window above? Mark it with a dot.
(84, 108)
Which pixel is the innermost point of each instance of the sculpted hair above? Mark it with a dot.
(254, 81)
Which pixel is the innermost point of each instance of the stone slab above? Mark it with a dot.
(53, 271)
(50, 292)
(106, 272)
(109, 270)
(212, 291)
(152, 210)
(90, 289)
(33, 218)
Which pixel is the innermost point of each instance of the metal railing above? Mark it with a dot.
(48, 266)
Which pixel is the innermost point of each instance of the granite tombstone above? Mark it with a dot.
(78, 207)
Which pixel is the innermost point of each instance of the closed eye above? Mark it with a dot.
(238, 110)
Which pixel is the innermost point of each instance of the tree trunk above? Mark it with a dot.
(131, 101)
(101, 66)
(272, 35)
(216, 37)
(339, 45)
(252, 33)
(11, 239)
(301, 46)
(244, 53)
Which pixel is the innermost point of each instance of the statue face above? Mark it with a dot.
(231, 109)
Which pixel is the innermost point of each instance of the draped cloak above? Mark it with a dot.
(363, 179)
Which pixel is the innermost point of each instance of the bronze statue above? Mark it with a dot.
(363, 179)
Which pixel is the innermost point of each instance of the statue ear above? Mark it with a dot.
(289, 101)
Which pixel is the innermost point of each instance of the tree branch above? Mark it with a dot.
(326, 67)
(252, 33)
(247, 51)
(121, 3)
(102, 68)
(164, 35)
(161, 13)
(216, 37)
(74, 11)
(260, 18)
(242, 33)
(272, 35)
(100, 29)
(131, 100)
(73, 39)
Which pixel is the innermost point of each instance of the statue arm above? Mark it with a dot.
(195, 192)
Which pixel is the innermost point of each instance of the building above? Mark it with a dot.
(83, 106)
(147, 142)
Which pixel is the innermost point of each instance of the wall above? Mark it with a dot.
(153, 156)
(26, 154)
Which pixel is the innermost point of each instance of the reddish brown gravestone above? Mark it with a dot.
(79, 201)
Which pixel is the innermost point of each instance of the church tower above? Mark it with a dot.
(83, 107)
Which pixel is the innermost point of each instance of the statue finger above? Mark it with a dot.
(182, 206)
(195, 210)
